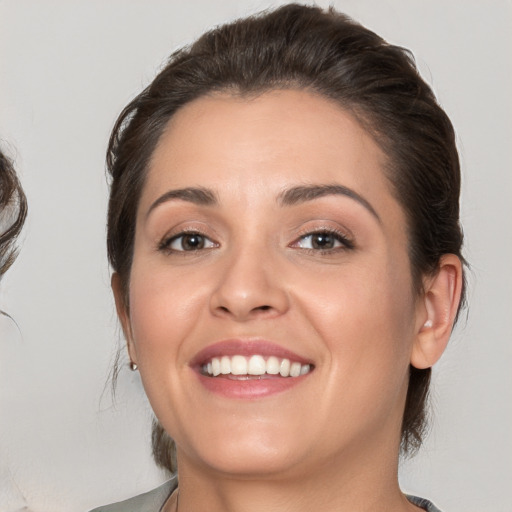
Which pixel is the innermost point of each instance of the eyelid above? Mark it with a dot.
(166, 241)
(344, 239)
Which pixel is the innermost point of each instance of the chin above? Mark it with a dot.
(250, 465)
(246, 454)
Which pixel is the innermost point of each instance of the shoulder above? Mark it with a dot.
(423, 503)
(151, 501)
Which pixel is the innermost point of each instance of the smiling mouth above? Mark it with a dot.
(239, 367)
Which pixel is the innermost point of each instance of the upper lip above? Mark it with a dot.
(247, 348)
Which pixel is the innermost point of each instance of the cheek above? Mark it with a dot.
(364, 314)
(163, 310)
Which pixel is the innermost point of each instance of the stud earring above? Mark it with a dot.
(133, 366)
(428, 324)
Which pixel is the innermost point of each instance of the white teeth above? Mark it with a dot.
(225, 365)
(284, 370)
(272, 365)
(215, 366)
(254, 365)
(257, 366)
(295, 370)
(238, 365)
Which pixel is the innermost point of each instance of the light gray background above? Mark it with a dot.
(66, 69)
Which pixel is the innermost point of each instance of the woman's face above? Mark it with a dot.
(268, 241)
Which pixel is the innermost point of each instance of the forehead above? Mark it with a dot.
(260, 145)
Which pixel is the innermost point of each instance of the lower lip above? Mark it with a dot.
(252, 388)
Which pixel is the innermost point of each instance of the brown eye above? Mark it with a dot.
(324, 241)
(192, 242)
(188, 242)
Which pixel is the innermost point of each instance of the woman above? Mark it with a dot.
(284, 233)
(13, 211)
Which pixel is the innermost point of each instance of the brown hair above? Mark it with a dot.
(305, 47)
(13, 211)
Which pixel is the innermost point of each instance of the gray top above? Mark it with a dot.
(151, 501)
(423, 503)
(154, 500)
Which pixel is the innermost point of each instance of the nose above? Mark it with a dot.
(249, 286)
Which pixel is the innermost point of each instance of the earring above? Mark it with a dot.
(133, 366)
(428, 324)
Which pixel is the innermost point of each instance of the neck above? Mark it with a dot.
(366, 482)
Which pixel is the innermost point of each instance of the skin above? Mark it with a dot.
(350, 310)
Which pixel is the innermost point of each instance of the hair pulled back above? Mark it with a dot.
(305, 47)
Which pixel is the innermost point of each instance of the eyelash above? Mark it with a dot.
(166, 243)
(342, 239)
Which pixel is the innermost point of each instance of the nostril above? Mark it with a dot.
(264, 308)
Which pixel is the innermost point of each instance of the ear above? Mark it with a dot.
(436, 312)
(123, 314)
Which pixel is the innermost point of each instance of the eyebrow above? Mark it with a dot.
(289, 197)
(304, 193)
(196, 195)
